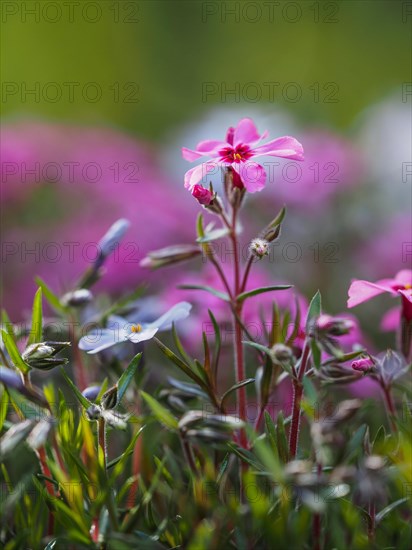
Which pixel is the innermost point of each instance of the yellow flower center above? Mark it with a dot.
(136, 328)
(408, 286)
(237, 156)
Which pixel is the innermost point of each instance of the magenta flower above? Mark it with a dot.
(241, 145)
(362, 291)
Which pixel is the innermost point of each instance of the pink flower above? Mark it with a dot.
(241, 145)
(362, 291)
(202, 195)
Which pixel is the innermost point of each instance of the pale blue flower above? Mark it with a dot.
(120, 330)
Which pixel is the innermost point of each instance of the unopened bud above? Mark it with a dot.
(109, 399)
(42, 356)
(259, 248)
(363, 365)
(281, 353)
(170, 255)
(333, 326)
(37, 351)
(202, 195)
(77, 298)
(111, 239)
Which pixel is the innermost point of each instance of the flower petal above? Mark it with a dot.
(284, 147)
(176, 313)
(100, 339)
(145, 334)
(196, 174)
(362, 291)
(245, 132)
(190, 155)
(209, 146)
(252, 174)
(404, 277)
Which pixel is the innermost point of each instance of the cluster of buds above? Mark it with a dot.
(42, 356)
(259, 248)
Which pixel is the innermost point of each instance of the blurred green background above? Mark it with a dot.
(169, 49)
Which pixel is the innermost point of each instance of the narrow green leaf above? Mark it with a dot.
(8, 325)
(217, 346)
(163, 415)
(270, 429)
(127, 377)
(181, 364)
(52, 299)
(388, 509)
(242, 297)
(217, 293)
(235, 387)
(282, 442)
(82, 400)
(36, 330)
(259, 347)
(185, 356)
(316, 354)
(14, 353)
(296, 325)
(315, 309)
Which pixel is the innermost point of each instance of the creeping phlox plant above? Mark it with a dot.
(126, 425)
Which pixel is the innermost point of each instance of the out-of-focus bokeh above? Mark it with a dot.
(99, 97)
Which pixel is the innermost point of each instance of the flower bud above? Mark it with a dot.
(110, 240)
(234, 188)
(202, 195)
(363, 365)
(42, 355)
(37, 351)
(333, 326)
(77, 298)
(170, 255)
(259, 248)
(281, 353)
(109, 399)
(91, 392)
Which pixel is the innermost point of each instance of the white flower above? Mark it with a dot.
(120, 330)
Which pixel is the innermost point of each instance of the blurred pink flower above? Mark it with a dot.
(241, 145)
(362, 291)
(69, 184)
(331, 165)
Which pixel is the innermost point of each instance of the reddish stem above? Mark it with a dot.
(41, 453)
(390, 406)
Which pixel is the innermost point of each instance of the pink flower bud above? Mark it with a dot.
(363, 365)
(334, 326)
(202, 195)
